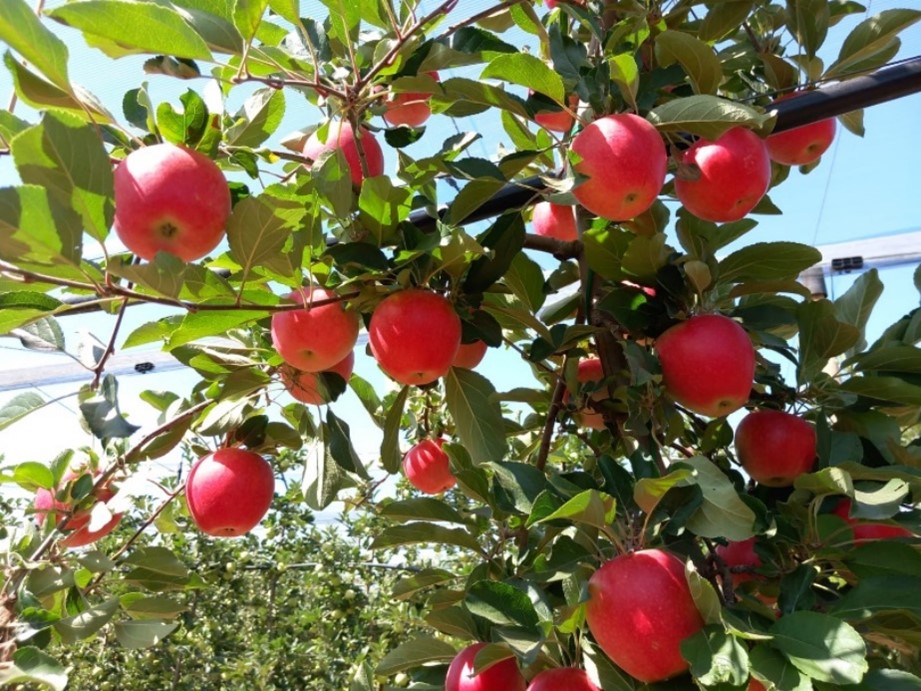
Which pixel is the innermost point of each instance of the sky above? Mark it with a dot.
(863, 188)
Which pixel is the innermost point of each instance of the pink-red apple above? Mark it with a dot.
(77, 527)
(558, 120)
(731, 175)
(229, 491)
(317, 337)
(868, 531)
(708, 364)
(554, 221)
(171, 199)
(755, 685)
(342, 136)
(502, 676)
(802, 145)
(415, 335)
(408, 108)
(624, 160)
(775, 447)
(309, 387)
(562, 679)
(427, 468)
(469, 355)
(639, 610)
(741, 553)
(590, 370)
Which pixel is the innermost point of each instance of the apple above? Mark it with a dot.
(741, 553)
(427, 468)
(469, 355)
(734, 174)
(639, 610)
(415, 335)
(315, 338)
(229, 491)
(502, 676)
(554, 221)
(802, 145)
(77, 527)
(562, 679)
(708, 364)
(775, 447)
(408, 108)
(342, 136)
(309, 387)
(590, 370)
(755, 685)
(624, 159)
(868, 531)
(558, 120)
(169, 198)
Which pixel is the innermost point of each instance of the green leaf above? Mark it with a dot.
(590, 507)
(134, 27)
(134, 635)
(44, 335)
(87, 623)
(469, 92)
(29, 664)
(605, 249)
(323, 478)
(723, 513)
(704, 115)
(30, 475)
(645, 256)
(894, 390)
(472, 402)
(716, 657)
(696, 58)
(423, 509)
(163, 276)
(855, 306)
(20, 406)
(526, 280)
(101, 413)
(21, 29)
(904, 359)
(879, 593)
(414, 653)
(501, 603)
(723, 19)
(37, 229)
(506, 238)
(391, 458)
(247, 15)
(382, 207)
(821, 336)
(256, 234)
(768, 261)
(21, 307)
(649, 491)
(140, 606)
(186, 127)
(198, 325)
(528, 71)
(522, 482)
(769, 665)
(870, 37)
(416, 533)
(42, 95)
(808, 21)
(158, 560)
(340, 446)
(821, 646)
(258, 119)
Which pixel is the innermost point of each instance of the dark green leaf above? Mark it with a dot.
(414, 653)
(590, 507)
(821, 646)
(716, 657)
(821, 336)
(696, 58)
(870, 37)
(723, 513)
(340, 446)
(768, 261)
(415, 533)
(423, 509)
(704, 115)
(29, 664)
(390, 444)
(501, 603)
(473, 404)
(855, 306)
(133, 635)
(101, 413)
(528, 71)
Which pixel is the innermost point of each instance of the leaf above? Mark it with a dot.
(390, 444)
(871, 37)
(421, 508)
(258, 119)
(340, 446)
(874, 594)
(30, 475)
(723, 19)
(723, 513)
(21, 29)
(704, 115)
(36, 229)
(323, 478)
(821, 646)
(645, 256)
(528, 71)
(821, 337)
(904, 359)
(768, 261)
(134, 26)
(187, 127)
(472, 402)
(101, 413)
(501, 603)
(247, 15)
(855, 306)
(139, 606)
(808, 21)
(162, 276)
(894, 390)
(769, 665)
(43, 334)
(414, 653)
(416, 533)
(469, 92)
(29, 664)
(716, 657)
(382, 207)
(134, 635)
(87, 622)
(20, 406)
(696, 58)
(590, 507)
(256, 234)
(649, 491)
(526, 280)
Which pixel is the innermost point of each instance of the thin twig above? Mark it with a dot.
(556, 405)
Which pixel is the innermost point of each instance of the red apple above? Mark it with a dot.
(341, 136)
(229, 491)
(734, 174)
(590, 370)
(624, 159)
(868, 531)
(502, 676)
(802, 145)
(77, 529)
(469, 355)
(554, 221)
(414, 336)
(562, 679)
(639, 610)
(408, 108)
(315, 338)
(755, 685)
(427, 467)
(558, 120)
(170, 199)
(309, 387)
(775, 447)
(741, 553)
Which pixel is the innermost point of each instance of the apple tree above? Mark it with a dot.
(707, 477)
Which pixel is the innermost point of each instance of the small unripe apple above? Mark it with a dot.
(708, 364)
(469, 355)
(562, 679)
(624, 160)
(77, 527)
(801, 145)
(868, 531)
(734, 173)
(409, 108)
(342, 136)
(590, 370)
(554, 221)
(317, 337)
(169, 198)
(427, 467)
(639, 611)
(309, 387)
(415, 335)
(775, 447)
(502, 676)
(740, 553)
(229, 491)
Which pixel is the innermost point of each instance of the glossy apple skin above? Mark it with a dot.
(318, 337)
(590, 370)
(469, 355)
(639, 610)
(229, 492)
(562, 679)
(342, 136)
(801, 145)
(170, 199)
(741, 553)
(414, 335)
(502, 676)
(708, 364)
(76, 529)
(554, 221)
(427, 467)
(775, 447)
(868, 531)
(308, 387)
(558, 120)
(408, 108)
(735, 172)
(624, 159)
